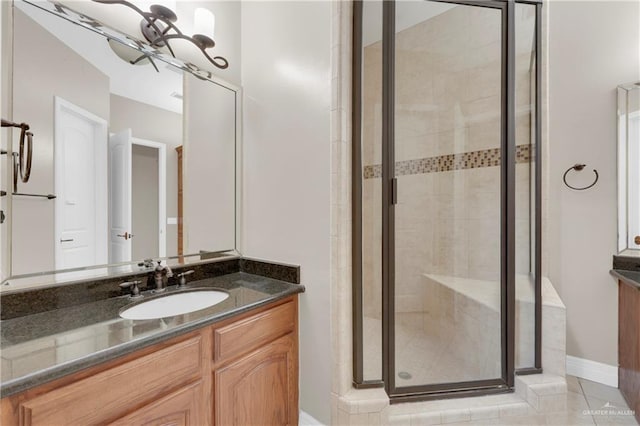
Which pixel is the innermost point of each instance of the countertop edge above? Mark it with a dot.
(618, 273)
(16, 386)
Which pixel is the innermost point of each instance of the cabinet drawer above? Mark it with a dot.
(112, 393)
(250, 333)
(180, 408)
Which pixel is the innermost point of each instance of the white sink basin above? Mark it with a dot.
(174, 304)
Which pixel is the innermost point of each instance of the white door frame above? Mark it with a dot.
(162, 191)
(101, 180)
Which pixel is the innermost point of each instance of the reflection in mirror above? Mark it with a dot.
(628, 166)
(141, 157)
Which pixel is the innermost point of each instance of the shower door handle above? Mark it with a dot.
(394, 191)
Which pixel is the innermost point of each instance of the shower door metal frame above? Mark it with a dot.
(507, 266)
(458, 389)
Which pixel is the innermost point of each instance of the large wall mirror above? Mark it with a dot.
(629, 167)
(141, 159)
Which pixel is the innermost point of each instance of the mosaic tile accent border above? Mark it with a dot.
(445, 163)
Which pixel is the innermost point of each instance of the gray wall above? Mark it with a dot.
(593, 46)
(45, 68)
(157, 125)
(144, 202)
(286, 166)
(209, 166)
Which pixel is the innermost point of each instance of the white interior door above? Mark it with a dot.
(81, 187)
(120, 196)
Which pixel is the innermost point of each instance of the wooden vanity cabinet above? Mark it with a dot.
(121, 388)
(256, 369)
(241, 372)
(629, 345)
(260, 388)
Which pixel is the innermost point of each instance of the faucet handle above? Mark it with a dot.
(182, 277)
(135, 291)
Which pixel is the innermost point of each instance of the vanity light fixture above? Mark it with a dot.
(158, 27)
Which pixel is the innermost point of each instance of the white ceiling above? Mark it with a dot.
(138, 82)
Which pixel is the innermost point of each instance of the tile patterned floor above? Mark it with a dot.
(587, 404)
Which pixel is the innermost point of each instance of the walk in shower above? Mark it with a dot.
(446, 195)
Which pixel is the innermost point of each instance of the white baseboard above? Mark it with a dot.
(592, 370)
(307, 419)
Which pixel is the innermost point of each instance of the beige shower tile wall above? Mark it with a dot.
(372, 248)
(372, 188)
(448, 101)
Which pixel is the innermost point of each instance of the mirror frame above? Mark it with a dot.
(623, 92)
(9, 282)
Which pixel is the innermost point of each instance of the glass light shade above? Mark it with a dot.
(127, 54)
(204, 22)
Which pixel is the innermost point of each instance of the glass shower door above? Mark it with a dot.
(447, 216)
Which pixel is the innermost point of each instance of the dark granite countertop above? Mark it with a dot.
(45, 346)
(626, 267)
(629, 277)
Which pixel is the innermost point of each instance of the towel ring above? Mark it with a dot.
(22, 163)
(577, 168)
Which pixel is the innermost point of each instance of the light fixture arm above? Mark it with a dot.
(142, 58)
(159, 35)
(202, 42)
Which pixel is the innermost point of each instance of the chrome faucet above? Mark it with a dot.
(161, 276)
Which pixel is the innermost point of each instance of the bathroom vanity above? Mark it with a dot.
(629, 342)
(242, 371)
(626, 264)
(627, 271)
(234, 363)
(150, 146)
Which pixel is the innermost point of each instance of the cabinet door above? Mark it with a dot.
(260, 388)
(179, 408)
(629, 345)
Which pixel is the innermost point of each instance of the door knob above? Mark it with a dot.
(126, 235)
(637, 240)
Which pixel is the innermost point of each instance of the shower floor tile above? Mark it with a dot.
(424, 356)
